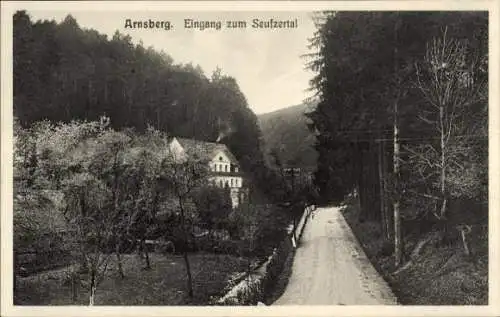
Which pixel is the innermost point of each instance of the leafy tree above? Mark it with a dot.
(91, 226)
(144, 187)
(213, 205)
(182, 177)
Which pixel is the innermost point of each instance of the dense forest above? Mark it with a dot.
(63, 72)
(402, 120)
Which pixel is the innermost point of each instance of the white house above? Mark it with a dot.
(224, 168)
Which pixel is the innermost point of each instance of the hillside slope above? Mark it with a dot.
(286, 131)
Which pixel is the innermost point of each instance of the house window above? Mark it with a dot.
(221, 183)
(220, 158)
(236, 169)
(236, 182)
(226, 168)
(232, 184)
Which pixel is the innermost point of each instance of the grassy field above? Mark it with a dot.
(164, 284)
(441, 275)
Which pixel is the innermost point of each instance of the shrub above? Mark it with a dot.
(276, 264)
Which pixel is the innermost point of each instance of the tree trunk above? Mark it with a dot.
(464, 241)
(388, 210)
(294, 228)
(398, 241)
(188, 273)
(83, 266)
(120, 264)
(397, 216)
(146, 253)
(361, 184)
(385, 222)
(92, 289)
(75, 282)
(140, 249)
(374, 184)
(185, 252)
(74, 291)
(443, 162)
(398, 248)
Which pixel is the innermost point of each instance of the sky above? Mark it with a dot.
(266, 63)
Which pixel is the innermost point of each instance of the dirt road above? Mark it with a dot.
(330, 268)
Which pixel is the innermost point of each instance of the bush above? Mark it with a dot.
(275, 266)
(233, 247)
(165, 247)
(177, 238)
(261, 227)
(39, 232)
(213, 205)
(33, 262)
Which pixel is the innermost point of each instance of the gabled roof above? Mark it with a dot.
(205, 150)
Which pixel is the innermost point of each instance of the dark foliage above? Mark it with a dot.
(362, 64)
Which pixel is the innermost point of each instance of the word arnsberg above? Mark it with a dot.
(148, 24)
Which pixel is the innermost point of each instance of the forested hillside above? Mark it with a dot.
(63, 72)
(285, 132)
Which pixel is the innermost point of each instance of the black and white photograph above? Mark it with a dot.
(187, 156)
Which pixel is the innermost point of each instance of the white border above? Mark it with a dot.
(7, 309)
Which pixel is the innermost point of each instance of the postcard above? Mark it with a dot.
(249, 158)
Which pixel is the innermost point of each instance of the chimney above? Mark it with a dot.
(224, 131)
(220, 137)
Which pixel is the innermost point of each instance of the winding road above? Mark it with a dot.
(330, 267)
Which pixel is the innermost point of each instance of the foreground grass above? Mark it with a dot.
(441, 275)
(163, 284)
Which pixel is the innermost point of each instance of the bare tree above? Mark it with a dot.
(449, 82)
